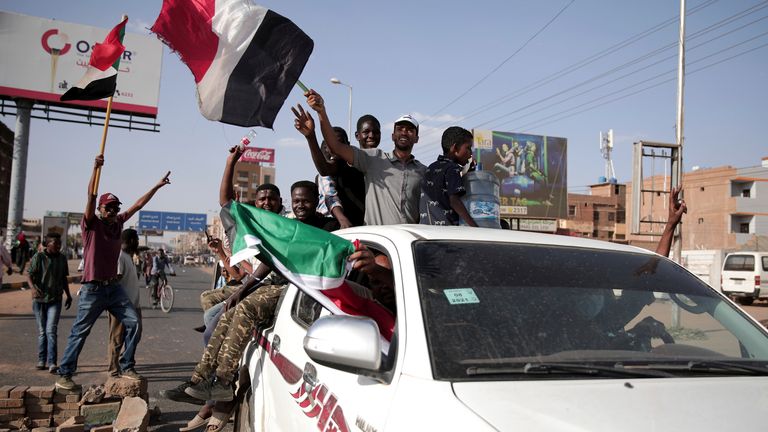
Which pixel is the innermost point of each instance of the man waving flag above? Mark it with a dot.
(245, 58)
(100, 80)
(312, 259)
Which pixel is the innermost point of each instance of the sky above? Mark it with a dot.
(515, 66)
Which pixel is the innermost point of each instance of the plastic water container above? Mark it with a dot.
(482, 198)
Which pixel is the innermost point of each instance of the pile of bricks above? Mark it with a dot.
(41, 409)
(23, 407)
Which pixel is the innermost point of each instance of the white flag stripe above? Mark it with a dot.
(234, 23)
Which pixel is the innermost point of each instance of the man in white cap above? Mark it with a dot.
(392, 180)
(101, 290)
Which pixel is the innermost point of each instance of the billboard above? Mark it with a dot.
(258, 155)
(531, 170)
(43, 58)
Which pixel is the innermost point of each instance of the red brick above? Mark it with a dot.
(40, 408)
(43, 422)
(18, 392)
(40, 392)
(5, 391)
(11, 403)
(61, 398)
(12, 410)
(68, 406)
(72, 428)
(40, 415)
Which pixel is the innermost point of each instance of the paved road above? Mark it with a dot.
(166, 355)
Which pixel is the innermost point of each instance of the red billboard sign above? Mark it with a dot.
(258, 155)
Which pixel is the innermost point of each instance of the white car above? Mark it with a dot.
(510, 331)
(745, 276)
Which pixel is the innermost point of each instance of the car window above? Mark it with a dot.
(765, 263)
(499, 306)
(740, 263)
(305, 310)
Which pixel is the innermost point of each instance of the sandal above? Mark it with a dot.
(195, 423)
(218, 420)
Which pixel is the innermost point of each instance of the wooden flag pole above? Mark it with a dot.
(95, 190)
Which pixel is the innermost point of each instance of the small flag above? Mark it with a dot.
(100, 80)
(245, 58)
(312, 259)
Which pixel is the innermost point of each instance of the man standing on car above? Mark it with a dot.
(100, 290)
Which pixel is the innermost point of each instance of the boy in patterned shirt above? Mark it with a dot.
(442, 187)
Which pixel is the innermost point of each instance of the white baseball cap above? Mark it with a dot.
(408, 119)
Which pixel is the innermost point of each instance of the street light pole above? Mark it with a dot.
(349, 123)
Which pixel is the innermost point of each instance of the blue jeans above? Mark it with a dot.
(211, 319)
(47, 317)
(95, 299)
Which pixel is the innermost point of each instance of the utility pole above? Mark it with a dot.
(677, 174)
(677, 179)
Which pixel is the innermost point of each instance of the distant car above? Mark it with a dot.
(190, 260)
(504, 331)
(745, 276)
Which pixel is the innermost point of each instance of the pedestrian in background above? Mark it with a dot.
(128, 278)
(47, 278)
(5, 260)
(22, 252)
(100, 290)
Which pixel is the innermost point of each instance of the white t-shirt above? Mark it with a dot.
(130, 279)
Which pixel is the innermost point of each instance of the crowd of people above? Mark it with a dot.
(354, 186)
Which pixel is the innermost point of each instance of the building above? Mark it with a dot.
(249, 175)
(727, 209)
(601, 214)
(6, 161)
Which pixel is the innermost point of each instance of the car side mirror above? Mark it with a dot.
(344, 342)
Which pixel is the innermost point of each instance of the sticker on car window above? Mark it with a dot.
(461, 296)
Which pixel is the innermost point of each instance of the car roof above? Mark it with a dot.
(431, 232)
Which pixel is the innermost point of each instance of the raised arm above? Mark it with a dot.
(90, 204)
(305, 124)
(345, 152)
(226, 190)
(676, 209)
(141, 202)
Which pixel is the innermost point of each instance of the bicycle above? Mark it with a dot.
(163, 294)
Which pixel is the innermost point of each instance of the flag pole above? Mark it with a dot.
(103, 145)
(95, 190)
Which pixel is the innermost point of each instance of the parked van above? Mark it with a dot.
(745, 276)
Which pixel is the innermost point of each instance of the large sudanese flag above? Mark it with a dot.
(310, 258)
(245, 58)
(100, 79)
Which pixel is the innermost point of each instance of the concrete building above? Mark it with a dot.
(601, 214)
(6, 161)
(727, 209)
(249, 175)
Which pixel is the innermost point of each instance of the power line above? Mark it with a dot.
(715, 26)
(541, 122)
(505, 60)
(616, 79)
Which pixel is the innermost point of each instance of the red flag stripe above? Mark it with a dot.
(186, 27)
(104, 54)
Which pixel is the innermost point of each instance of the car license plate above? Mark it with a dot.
(737, 282)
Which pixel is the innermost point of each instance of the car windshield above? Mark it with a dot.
(517, 311)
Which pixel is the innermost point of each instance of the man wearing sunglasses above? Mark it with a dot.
(102, 227)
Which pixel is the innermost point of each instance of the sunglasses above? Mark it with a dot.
(113, 209)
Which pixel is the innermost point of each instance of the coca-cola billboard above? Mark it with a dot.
(258, 155)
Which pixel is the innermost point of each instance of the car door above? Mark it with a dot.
(303, 395)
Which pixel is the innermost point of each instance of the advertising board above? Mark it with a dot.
(531, 170)
(43, 58)
(258, 155)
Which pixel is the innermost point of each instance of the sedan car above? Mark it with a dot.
(507, 331)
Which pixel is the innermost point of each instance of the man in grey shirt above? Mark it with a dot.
(392, 180)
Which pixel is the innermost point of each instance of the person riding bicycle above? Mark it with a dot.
(159, 262)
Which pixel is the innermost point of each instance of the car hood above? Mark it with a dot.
(649, 404)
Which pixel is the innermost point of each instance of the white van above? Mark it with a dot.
(745, 276)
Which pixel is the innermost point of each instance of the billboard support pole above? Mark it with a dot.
(18, 170)
(95, 190)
